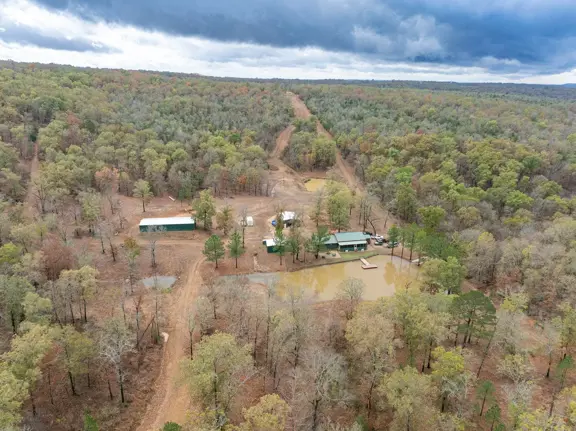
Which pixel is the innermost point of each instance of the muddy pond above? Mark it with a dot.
(314, 184)
(321, 283)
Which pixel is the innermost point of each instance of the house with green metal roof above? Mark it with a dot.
(342, 241)
(352, 241)
(331, 243)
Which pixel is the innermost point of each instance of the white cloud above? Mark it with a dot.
(132, 48)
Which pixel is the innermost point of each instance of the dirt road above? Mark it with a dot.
(282, 141)
(347, 172)
(31, 201)
(171, 400)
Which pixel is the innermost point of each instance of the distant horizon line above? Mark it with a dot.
(231, 77)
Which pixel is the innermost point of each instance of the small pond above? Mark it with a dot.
(314, 184)
(161, 282)
(322, 282)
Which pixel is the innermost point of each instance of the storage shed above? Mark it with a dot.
(270, 245)
(289, 217)
(352, 241)
(170, 224)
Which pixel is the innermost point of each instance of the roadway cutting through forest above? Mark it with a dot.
(31, 199)
(343, 167)
(171, 400)
(347, 172)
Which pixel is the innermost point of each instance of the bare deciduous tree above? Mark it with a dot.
(107, 230)
(204, 316)
(153, 237)
(235, 299)
(211, 289)
(319, 383)
(115, 342)
(349, 295)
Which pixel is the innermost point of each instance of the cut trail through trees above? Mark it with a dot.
(171, 401)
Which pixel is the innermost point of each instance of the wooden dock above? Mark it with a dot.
(366, 264)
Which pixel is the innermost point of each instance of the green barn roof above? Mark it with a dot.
(166, 221)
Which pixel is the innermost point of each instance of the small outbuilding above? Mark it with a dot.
(169, 224)
(352, 241)
(270, 245)
(289, 218)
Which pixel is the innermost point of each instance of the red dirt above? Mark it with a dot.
(173, 257)
(171, 401)
(282, 142)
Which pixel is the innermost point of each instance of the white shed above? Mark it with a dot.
(249, 221)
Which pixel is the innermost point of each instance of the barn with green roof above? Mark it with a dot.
(167, 224)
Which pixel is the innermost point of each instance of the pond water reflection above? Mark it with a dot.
(321, 282)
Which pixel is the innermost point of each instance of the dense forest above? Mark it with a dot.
(472, 185)
(173, 133)
(484, 187)
(99, 135)
(308, 150)
(524, 91)
(496, 176)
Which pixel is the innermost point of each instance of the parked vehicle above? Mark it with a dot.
(392, 244)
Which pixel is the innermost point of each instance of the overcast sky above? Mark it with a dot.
(446, 40)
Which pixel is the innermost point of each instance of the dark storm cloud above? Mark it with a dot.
(27, 36)
(504, 35)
